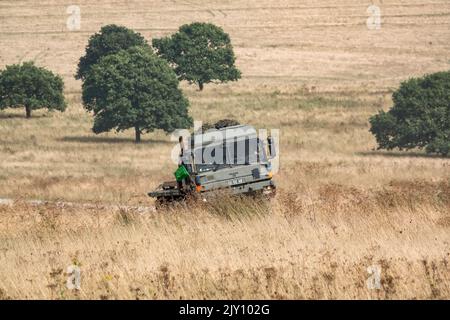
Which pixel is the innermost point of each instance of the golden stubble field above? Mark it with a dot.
(311, 69)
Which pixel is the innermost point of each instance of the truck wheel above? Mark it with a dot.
(161, 203)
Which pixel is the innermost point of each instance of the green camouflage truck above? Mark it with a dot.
(230, 159)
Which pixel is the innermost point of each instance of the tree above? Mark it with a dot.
(134, 88)
(31, 87)
(200, 53)
(111, 39)
(420, 117)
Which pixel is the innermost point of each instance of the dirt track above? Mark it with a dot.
(64, 204)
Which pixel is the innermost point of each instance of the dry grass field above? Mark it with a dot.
(311, 69)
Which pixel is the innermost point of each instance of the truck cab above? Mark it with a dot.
(231, 157)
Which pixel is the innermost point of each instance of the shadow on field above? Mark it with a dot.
(35, 115)
(112, 140)
(400, 154)
(12, 116)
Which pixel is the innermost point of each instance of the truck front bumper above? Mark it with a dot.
(267, 187)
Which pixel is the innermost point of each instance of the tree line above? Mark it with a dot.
(128, 83)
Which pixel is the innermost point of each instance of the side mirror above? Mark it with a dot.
(271, 147)
(192, 160)
(180, 141)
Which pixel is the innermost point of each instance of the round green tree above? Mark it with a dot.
(200, 53)
(134, 88)
(110, 39)
(30, 87)
(420, 117)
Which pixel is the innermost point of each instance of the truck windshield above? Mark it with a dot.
(245, 152)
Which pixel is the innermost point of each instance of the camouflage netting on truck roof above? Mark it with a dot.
(220, 124)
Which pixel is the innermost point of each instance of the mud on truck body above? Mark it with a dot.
(231, 159)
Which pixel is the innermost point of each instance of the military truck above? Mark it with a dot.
(230, 159)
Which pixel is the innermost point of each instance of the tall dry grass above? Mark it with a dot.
(316, 244)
